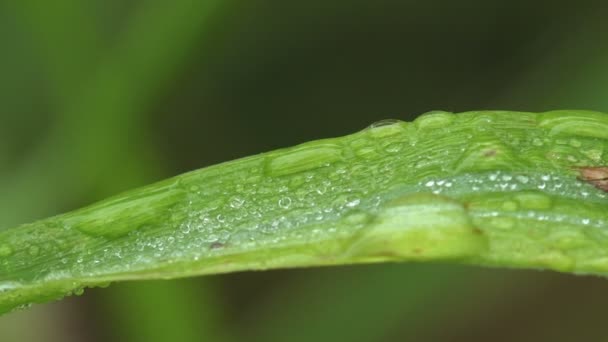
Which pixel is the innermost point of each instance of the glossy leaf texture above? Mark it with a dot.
(497, 188)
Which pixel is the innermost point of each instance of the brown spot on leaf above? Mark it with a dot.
(489, 153)
(601, 184)
(595, 175)
(216, 245)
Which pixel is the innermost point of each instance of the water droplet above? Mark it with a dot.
(109, 223)
(365, 151)
(303, 158)
(236, 202)
(285, 202)
(434, 119)
(394, 147)
(577, 123)
(8, 285)
(385, 128)
(353, 203)
(185, 228)
(385, 122)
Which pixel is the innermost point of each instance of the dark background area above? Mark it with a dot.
(97, 97)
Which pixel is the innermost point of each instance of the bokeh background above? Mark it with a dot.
(100, 96)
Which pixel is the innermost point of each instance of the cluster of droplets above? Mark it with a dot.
(34, 251)
(512, 181)
(282, 198)
(238, 217)
(276, 199)
(564, 150)
(508, 218)
(277, 202)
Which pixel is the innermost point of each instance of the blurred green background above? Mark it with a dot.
(100, 96)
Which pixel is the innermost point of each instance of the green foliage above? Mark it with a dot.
(493, 188)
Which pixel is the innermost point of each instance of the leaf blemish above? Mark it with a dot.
(489, 153)
(477, 231)
(596, 176)
(216, 245)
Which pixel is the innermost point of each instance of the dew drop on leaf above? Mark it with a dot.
(394, 147)
(236, 202)
(385, 122)
(285, 202)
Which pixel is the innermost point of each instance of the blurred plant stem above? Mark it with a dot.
(103, 125)
(102, 102)
(67, 37)
(573, 73)
(179, 310)
(372, 304)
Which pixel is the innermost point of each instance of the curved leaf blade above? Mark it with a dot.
(495, 188)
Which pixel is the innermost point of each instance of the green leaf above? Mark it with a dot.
(491, 188)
